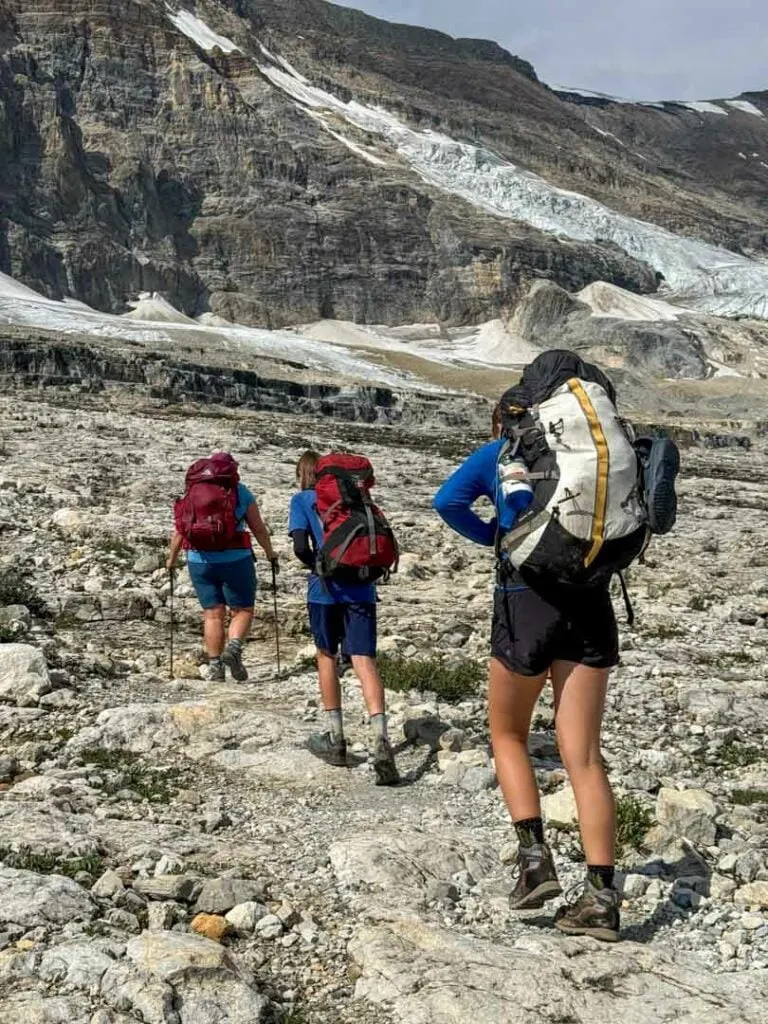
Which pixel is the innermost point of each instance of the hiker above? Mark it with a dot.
(212, 522)
(552, 613)
(342, 607)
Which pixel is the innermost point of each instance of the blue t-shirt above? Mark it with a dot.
(304, 516)
(477, 477)
(244, 501)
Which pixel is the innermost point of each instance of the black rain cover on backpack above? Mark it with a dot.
(544, 375)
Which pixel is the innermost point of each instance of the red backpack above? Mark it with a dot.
(358, 542)
(205, 516)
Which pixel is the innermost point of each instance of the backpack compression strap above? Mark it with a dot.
(601, 489)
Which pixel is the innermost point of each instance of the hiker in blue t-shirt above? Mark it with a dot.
(227, 579)
(576, 645)
(342, 618)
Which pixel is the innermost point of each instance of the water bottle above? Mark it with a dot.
(515, 491)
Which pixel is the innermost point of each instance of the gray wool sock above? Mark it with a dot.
(236, 645)
(379, 726)
(335, 723)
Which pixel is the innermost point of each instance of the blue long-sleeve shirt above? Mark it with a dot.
(477, 477)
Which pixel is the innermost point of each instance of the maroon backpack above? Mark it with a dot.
(205, 517)
(358, 542)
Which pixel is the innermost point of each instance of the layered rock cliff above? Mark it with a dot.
(137, 159)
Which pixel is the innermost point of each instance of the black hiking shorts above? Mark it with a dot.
(528, 633)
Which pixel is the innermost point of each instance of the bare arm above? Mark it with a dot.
(260, 531)
(173, 552)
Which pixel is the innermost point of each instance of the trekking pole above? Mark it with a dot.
(277, 624)
(170, 668)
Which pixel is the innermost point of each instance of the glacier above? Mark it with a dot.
(702, 275)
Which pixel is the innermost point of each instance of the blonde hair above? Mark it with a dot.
(305, 470)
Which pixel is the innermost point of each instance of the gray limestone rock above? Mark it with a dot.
(23, 674)
(31, 900)
(413, 967)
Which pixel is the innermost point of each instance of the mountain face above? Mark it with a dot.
(254, 159)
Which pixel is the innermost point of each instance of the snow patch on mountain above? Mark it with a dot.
(202, 35)
(156, 322)
(693, 270)
(486, 345)
(590, 95)
(704, 107)
(745, 107)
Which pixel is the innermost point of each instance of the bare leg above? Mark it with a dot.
(330, 690)
(213, 630)
(579, 704)
(240, 623)
(367, 672)
(511, 700)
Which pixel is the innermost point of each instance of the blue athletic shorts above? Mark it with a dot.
(224, 583)
(349, 626)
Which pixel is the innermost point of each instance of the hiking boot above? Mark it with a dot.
(215, 672)
(324, 746)
(536, 878)
(233, 659)
(384, 763)
(595, 913)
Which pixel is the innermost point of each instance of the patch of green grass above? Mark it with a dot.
(633, 819)
(117, 547)
(748, 797)
(451, 681)
(16, 588)
(738, 755)
(50, 864)
(132, 772)
(294, 1015)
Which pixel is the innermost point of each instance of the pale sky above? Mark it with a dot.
(637, 49)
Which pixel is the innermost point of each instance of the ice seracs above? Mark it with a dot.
(692, 269)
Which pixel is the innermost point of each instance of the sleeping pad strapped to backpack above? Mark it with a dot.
(358, 542)
(598, 493)
(205, 517)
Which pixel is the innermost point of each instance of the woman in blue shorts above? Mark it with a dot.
(342, 618)
(227, 579)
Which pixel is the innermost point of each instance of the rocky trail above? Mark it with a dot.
(171, 854)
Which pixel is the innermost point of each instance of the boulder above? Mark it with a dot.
(689, 814)
(170, 976)
(33, 900)
(218, 895)
(754, 894)
(402, 865)
(424, 974)
(24, 675)
(559, 809)
(245, 916)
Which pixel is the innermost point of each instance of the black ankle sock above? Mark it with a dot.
(530, 831)
(600, 875)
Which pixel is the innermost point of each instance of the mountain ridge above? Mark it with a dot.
(152, 163)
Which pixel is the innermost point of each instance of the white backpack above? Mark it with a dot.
(587, 520)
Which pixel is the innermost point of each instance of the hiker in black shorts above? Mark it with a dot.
(565, 633)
